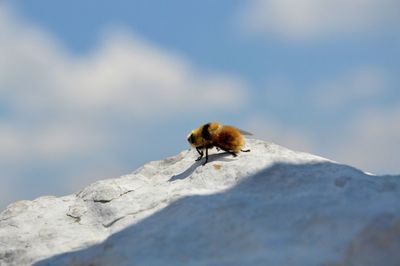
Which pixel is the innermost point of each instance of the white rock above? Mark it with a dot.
(271, 206)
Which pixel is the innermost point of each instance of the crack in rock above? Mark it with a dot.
(77, 219)
(103, 201)
(107, 225)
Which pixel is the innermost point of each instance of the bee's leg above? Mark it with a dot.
(201, 154)
(234, 154)
(228, 151)
(206, 157)
(245, 150)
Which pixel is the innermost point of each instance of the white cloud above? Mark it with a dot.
(124, 74)
(371, 141)
(366, 134)
(305, 19)
(130, 75)
(59, 106)
(360, 85)
(272, 130)
(357, 85)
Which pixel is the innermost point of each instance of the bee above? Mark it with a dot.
(226, 138)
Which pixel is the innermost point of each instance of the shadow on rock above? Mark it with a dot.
(211, 158)
(284, 215)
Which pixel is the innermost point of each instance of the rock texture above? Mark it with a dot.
(271, 206)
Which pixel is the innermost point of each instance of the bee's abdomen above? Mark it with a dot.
(230, 139)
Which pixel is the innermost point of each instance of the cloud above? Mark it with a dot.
(360, 84)
(48, 142)
(346, 117)
(371, 141)
(368, 141)
(270, 129)
(309, 19)
(124, 74)
(131, 76)
(57, 108)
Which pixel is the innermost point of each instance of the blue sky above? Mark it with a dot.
(94, 89)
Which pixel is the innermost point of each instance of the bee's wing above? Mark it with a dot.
(243, 132)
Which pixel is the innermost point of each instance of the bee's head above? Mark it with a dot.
(191, 138)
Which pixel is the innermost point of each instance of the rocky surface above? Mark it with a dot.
(271, 206)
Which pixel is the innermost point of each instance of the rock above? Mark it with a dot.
(271, 206)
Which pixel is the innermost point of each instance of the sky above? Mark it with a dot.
(94, 89)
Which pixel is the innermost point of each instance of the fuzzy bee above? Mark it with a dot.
(226, 138)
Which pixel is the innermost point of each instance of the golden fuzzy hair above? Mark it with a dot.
(207, 136)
